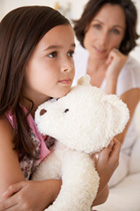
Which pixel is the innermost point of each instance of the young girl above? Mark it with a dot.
(36, 63)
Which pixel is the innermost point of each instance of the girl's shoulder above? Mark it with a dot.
(6, 130)
(6, 140)
(5, 124)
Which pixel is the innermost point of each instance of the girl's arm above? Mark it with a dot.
(30, 195)
(37, 195)
(10, 171)
(106, 164)
(15, 192)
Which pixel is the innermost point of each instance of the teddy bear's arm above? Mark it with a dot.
(79, 183)
(51, 165)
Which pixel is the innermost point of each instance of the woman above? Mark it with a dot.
(107, 34)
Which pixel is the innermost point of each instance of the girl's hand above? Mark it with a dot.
(115, 63)
(107, 162)
(30, 195)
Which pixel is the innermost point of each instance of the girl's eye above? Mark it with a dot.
(115, 31)
(70, 53)
(53, 54)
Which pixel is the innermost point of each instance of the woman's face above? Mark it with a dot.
(50, 70)
(105, 32)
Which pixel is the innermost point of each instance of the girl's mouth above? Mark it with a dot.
(65, 81)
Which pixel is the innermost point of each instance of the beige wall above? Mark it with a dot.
(76, 5)
(76, 10)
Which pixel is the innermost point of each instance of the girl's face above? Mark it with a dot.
(105, 32)
(50, 70)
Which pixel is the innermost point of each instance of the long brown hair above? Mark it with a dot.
(20, 31)
(93, 7)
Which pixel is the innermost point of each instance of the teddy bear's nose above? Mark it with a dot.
(43, 111)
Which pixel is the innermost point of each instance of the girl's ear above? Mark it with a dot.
(84, 80)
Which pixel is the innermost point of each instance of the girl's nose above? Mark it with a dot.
(67, 65)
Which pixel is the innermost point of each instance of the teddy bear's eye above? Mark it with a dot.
(43, 111)
(66, 110)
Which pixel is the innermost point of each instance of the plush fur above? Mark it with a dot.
(83, 122)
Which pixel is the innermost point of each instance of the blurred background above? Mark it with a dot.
(72, 9)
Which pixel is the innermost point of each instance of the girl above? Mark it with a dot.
(36, 63)
(107, 34)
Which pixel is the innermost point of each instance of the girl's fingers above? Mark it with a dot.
(14, 208)
(10, 201)
(9, 204)
(104, 154)
(111, 152)
(12, 189)
(116, 149)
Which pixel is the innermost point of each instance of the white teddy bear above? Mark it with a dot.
(83, 122)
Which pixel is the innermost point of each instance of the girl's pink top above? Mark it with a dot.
(28, 165)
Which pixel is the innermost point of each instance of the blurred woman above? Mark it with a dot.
(107, 34)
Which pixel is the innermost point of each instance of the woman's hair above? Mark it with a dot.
(20, 31)
(91, 10)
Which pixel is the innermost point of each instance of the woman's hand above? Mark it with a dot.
(115, 63)
(30, 195)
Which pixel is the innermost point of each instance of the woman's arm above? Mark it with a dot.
(115, 62)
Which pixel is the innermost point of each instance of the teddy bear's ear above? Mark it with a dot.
(84, 80)
(117, 114)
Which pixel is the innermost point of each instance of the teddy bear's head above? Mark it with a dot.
(86, 119)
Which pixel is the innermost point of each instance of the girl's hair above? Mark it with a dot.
(20, 31)
(91, 10)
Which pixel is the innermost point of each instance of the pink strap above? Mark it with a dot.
(44, 151)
